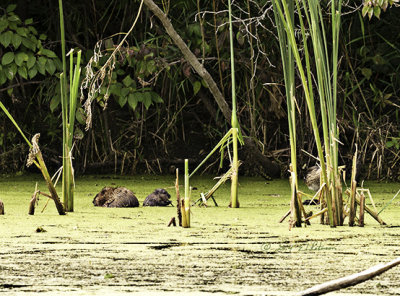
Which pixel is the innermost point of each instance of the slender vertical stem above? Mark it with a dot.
(187, 197)
(234, 120)
(235, 168)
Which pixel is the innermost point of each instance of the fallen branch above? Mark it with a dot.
(350, 280)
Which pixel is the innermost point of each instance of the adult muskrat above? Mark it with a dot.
(115, 197)
(158, 198)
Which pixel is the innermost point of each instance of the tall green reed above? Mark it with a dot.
(69, 94)
(234, 121)
(325, 56)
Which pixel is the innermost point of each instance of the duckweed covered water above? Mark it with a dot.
(245, 251)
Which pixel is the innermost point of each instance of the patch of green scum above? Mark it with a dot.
(262, 204)
(226, 250)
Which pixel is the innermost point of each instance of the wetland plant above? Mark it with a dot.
(325, 56)
(69, 93)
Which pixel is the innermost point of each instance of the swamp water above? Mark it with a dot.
(245, 251)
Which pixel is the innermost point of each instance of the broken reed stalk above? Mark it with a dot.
(317, 214)
(362, 210)
(372, 213)
(350, 280)
(178, 199)
(221, 181)
(353, 189)
(39, 162)
(35, 152)
(185, 208)
(295, 216)
(33, 201)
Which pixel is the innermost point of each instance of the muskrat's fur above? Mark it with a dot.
(158, 198)
(115, 197)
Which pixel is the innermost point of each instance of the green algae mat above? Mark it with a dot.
(245, 251)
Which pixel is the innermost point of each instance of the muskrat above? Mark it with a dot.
(115, 197)
(160, 198)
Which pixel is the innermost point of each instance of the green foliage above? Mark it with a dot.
(22, 50)
(132, 89)
(375, 7)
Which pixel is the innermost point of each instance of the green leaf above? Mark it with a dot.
(42, 37)
(366, 72)
(151, 67)
(29, 21)
(41, 65)
(80, 116)
(14, 18)
(23, 72)
(377, 11)
(115, 89)
(21, 57)
(155, 97)
(3, 24)
(29, 43)
(32, 72)
(147, 100)
(120, 72)
(50, 66)
(122, 101)
(3, 77)
(124, 92)
(365, 10)
(31, 60)
(196, 87)
(47, 53)
(127, 81)
(11, 8)
(7, 58)
(16, 40)
(5, 38)
(54, 102)
(133, 99)
(389, 144)
(370, 12)
(10, 71)
(33, 30)
(22, 31)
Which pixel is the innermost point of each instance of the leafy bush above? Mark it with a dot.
(21, 49)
